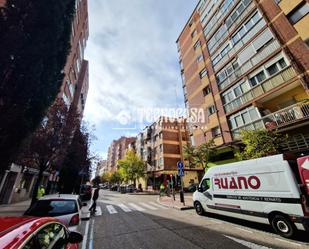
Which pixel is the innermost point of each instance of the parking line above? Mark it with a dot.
(111, 209)
(286, 241)
(84, 244)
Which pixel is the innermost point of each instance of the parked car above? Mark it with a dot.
(114, 187)
(32, 232)
(130, 188)
(85, 192)
(191, 188)
(66, 208)
(272, 190)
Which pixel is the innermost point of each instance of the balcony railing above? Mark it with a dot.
(277, 120)
(260, 89)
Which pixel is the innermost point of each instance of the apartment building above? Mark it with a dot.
(75, 84)
(101, 168)
(246, 63)
(160, 145)
(117, 150)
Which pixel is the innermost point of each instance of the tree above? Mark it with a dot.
(35, 42)
(201, 155)
(47, 147)
(260, 143)
(96, 181)
(106, 177)
(132, 166)
(77, 162)
(116, 177)
(189, 154)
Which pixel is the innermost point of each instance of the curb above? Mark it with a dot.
(175, 207)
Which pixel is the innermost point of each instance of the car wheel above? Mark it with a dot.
(199, 208)
(283, 226)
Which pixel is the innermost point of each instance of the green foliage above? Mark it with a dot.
(260, 143)
(201, 155)
(35, 42)
(132, 166)
(116, 177)
(106, 177)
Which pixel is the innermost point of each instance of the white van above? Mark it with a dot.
(266, 190)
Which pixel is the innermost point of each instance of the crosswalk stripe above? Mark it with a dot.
(157, 205)
(124, 207)
(148, 206)
(111, 209)
(138, 208)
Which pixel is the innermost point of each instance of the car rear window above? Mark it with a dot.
(52, 208)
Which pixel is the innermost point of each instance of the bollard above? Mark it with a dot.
(182, 199)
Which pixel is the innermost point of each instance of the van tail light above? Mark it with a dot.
(74, 220)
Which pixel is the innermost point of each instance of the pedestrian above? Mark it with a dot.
(162, 188)
(95, 196)
(41, 192)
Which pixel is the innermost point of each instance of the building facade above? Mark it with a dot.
(117, 151)
(160, 146)
(246, 63)
(17, 182)
(101, 168)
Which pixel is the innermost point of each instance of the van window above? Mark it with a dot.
(205, 185)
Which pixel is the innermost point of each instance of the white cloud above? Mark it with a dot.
(133, 57)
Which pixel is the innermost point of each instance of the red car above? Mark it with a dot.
(36, 233)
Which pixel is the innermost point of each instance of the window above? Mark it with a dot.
(257, 78)
(282, 63)
(193, 33)
(206, 90)
(200, 58)
(244, 117)
(52, 236)
(203, 73)
(205, 184)
(211, 110)
(272, 69)
(298, 13)
(196, 45)
(216, 132)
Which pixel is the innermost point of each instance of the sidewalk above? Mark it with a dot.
(169, 202)
(15, 209)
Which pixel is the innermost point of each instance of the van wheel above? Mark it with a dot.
(283, 226)
(199, 208)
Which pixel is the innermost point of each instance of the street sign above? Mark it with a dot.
(180, 166)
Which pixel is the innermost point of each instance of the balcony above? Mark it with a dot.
(263, 54)
(277, 120)
(264, 87)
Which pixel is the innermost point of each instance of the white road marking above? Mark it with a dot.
(91, 235)
(247, 243)
(286, 241)
(98, 211)
(242, 229)
(85, 235)
(124, 207)
(148, 206)
(157, 205)
(138, 208)
(111, 209)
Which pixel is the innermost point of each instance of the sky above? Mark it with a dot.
(133, 65)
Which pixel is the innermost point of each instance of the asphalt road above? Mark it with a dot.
(138, 222)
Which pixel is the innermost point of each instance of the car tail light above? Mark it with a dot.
(74, 220)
